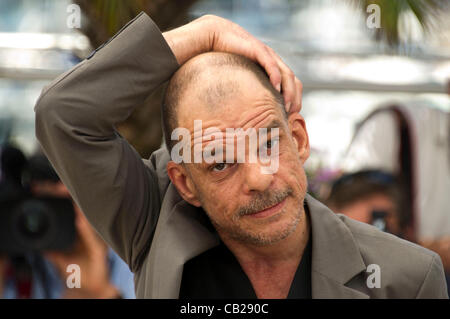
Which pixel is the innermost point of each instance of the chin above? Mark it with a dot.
(276, 228)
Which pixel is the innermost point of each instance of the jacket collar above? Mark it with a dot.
(184, 232)
(336, 258)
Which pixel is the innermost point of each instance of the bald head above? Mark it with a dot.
(210, 79)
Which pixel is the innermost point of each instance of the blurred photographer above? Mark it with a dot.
(12, 165)
(374, 197)
(371, 197)
(2, 268)
(411, 140)
(43, 274)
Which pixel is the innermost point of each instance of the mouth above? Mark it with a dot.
(268, 211)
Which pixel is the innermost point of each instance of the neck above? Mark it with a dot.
(272, 268)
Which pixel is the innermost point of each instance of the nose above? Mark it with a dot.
(255, 179)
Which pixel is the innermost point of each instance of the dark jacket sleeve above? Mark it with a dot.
(75, 124)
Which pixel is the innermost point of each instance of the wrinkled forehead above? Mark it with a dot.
(226, 99)
(232, 130)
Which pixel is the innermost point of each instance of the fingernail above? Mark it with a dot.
(288, 106)
(278, 87)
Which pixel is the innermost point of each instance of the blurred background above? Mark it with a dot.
(376, 91)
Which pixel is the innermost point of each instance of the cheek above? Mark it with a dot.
(218, 201)
(292, 172)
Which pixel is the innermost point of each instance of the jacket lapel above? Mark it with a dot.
(182, 233)
(335, 255)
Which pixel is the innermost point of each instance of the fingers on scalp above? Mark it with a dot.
(292, 86)
(288, 86)
(278, 62)
(299, 85)
(271, 66)
(299, 92)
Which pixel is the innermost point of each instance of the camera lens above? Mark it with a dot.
(34, 221)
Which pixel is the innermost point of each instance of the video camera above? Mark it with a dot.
(36, 224)
(29, 223)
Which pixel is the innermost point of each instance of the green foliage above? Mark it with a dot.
(113, 13)
(425, 11)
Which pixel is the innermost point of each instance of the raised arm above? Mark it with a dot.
(75, 124)
(77, 113)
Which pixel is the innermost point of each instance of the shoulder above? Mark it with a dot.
(401, 263)
(368, 237)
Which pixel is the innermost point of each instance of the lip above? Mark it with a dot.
(268, 211)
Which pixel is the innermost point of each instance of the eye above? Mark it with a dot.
(219, 167)
(271, 143)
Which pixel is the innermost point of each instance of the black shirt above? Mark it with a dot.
(217, 274)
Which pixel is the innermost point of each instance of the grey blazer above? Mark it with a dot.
(136, 209)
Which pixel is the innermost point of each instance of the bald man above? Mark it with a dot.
(220, 221)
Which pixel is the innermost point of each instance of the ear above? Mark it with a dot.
(297, 127)
(183, 183)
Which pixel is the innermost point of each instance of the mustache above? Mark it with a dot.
(264, 200)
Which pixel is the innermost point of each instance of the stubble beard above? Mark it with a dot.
(236, 232)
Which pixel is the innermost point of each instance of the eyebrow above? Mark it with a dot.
(274, 124)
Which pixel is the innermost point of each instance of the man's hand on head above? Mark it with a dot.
(212, 33)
